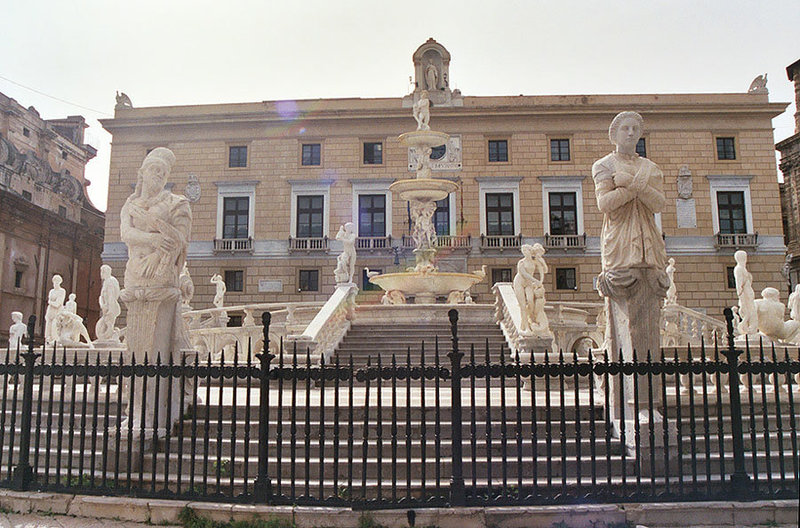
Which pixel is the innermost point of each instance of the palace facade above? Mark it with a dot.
(48, 225)
(271, 182)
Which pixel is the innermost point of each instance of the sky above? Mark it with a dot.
(68, 58)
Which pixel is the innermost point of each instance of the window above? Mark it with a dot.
(565, 279)
(501, 275)
(26, 132)
(237, 157)
(62, 211)
(563, 213)
(731, 211)
(441, 218)
(499, 214)
(235, 217)
(559, 150)
(366, 285)
(498, 150)
(310, 209)
(234, 320)
(311, 154)
(373, 153)
(730, 278)
(372, 215)
(309, 281)
(726, 149)
(438, 152)
(234, 280)
(27, 195)
(641, 148)
(18, 278)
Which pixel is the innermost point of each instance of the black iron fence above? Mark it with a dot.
(471, 427)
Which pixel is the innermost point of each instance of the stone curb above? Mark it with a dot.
(157, 511)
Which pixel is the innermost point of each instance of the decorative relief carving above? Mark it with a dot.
(450, 160)
(192, 190)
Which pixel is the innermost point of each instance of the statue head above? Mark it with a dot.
(72, 297)
(57, 280)
(105, 271)
(626, 129)
(740, 257)
(770, 293)
(349, 227)
(153, 174)
(671, 261)
(16, 317)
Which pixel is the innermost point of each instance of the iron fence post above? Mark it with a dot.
(262, 490)
(457, 492)
(23, 475)
(740, 480)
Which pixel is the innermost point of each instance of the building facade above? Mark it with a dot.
(48, 225)
(271, 182)
(790, 188)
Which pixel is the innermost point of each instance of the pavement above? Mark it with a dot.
(34, 520)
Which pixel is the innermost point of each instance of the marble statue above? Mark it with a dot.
(70, 329)
(759, 85)
(794, 304)
(455, 297)
(529, 289)
(633, 257)
(155, 225)
(55, 303)
(748, 317)
(109, 306)
(71, 306)
(187, 288)
(220, 291)
(422, 112)
(672, 291)
(393, 297)
(17, 331)
(431, 76)
(346, 261)
(770, 315)
(424, 233)
(123, 101)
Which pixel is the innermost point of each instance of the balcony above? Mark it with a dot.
(454, 242)
(311, 244)
(565, 241)
(735, 240)
(383, 243)
(233, 245)
(500, 242)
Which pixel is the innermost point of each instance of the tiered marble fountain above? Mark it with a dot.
(424, 281)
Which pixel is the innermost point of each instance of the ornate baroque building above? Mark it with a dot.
(790, 189)
(48, 225)
(271, 182)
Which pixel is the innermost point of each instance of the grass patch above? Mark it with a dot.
(189, 519)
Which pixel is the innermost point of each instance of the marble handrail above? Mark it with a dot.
(324, 333)
(682, 326)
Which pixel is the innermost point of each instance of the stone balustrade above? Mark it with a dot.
(681, 326)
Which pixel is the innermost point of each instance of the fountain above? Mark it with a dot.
(424, 281)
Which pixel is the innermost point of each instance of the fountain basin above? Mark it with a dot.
(423, 189)
(420, 139)
(426, 286)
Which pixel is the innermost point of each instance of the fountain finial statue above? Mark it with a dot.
(422, 111)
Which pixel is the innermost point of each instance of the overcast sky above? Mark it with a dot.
(171, 52)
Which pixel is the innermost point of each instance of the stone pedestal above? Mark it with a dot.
(633, 299)
(532, 346)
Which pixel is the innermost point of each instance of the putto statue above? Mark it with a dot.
(220, 291)
(422, 112)
(748, 317)
(346, 261)
(155, 225)
(109, 307)
(17, 331)
(55, 303)
(529, 290)
(770, 313)
(187, 288)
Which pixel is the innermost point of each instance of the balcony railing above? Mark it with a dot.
(233, 245)
(565, 241)
(736, 240)
(374, 243)
(308, 244)
(442, 241)
(500, 242)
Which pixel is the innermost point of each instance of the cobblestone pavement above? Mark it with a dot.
(32, 520)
